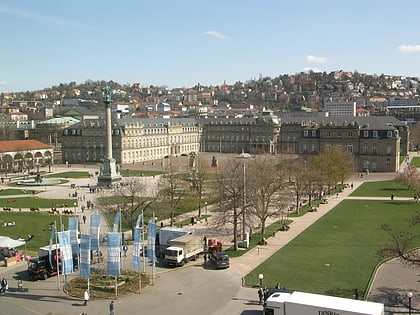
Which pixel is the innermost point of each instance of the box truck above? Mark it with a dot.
(166, 234)
(300, 303)
(184, 248)
(43, 267)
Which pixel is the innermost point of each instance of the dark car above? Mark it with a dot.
(220, 260)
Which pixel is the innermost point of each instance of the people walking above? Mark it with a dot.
(111, 308)
(260, 295)
(4, 285)
(86, 297)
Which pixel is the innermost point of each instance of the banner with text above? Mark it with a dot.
(65, 252)
(113, 254)
(151, 240)
(84, 256)
(95, 221)
(74, 230)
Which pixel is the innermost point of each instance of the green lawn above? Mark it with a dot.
(37, 224)
(415, 161)
(29, 202)
(68, 175)
(127, 173)
(382, 189)
(12, 192)
(338, 253)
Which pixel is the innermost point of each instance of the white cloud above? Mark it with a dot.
(215, 34)
(3, 83)
(409, 48)
(313, 59)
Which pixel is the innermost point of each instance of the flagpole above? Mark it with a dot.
(56, 255)
(142, 243)
(139, 263)
(153, 253)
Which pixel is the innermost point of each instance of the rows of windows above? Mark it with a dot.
(338, 134)
(366, 149)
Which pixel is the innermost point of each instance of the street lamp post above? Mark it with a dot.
(261, 277)
(205, 205)
(409, 295)
(75, 204)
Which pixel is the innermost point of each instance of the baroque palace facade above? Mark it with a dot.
(375, 142)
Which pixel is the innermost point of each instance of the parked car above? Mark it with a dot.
(220, 260)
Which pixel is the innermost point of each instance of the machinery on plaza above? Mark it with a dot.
(43, 267)
(166, 234)
(300, 303)
(184, 248)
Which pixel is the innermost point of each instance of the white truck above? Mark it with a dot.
(184, 248)
(165, 235)
(300, 303)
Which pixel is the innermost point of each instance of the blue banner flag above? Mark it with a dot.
(139, 220)
(74, 231)
(52, 237)
(117, 222)
(84, 268)
(113, 254)
(137, 247)
(151, 240)
(65, 253)
(95, 221)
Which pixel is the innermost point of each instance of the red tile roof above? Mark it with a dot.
(19, 145)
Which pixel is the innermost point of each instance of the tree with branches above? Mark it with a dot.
(171, 190)
(264, 180)
(199, 170)
(411, 177)
(230, 196)
(402, 243)
(297, 173)
(132, 196)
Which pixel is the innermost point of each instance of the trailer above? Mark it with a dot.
(165, 235)
(301, 303)
(184, 248)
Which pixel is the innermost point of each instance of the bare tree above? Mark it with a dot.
(198, 177)
(230, 193)
(297, 172)
(403, 243)
(171, 190)
(132, 196)
(263, 182)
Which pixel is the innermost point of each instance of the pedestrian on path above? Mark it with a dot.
(111, 308)
(260, 295)
(86, 297)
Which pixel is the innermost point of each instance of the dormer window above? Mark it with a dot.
(305, 133)
(375, 134)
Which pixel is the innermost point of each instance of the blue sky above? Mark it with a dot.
(179, 43)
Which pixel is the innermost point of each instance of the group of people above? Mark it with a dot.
(262, 294)
(86, 300)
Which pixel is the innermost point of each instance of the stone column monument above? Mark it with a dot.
(109, 173)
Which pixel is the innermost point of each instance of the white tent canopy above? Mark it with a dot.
(7, 242)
